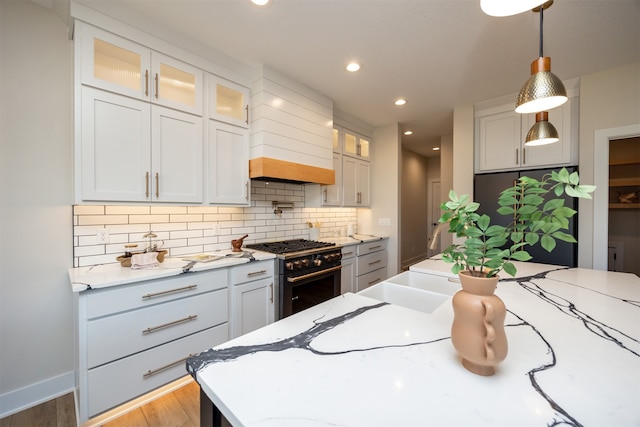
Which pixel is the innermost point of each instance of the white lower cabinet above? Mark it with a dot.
(371, 264)
(348, 272)
(134, 338)
(253, 297)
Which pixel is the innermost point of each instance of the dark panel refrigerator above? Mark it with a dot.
(487, 187)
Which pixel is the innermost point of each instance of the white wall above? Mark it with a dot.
(36, 329)
(608, 99)
(414, 226)
(385, 192)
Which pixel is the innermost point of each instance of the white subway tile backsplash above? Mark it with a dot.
(188, 230)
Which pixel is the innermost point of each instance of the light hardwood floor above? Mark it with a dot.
(179, 408)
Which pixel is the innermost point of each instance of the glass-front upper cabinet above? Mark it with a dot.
(337, 147)
(228, 102)
(119, 65)
(355, 145)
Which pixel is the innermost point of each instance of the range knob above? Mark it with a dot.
(288, 265)
(296, 264)
(305, 262)
(317, 262)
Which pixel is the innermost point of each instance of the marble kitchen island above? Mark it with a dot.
(574, 359)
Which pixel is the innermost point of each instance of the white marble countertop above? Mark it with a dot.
(106, 275)
(574, 359)
(356, 239)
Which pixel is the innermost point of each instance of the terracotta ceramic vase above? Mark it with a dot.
(477, 332)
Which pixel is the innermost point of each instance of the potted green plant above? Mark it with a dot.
(477, 332)
(489, 249)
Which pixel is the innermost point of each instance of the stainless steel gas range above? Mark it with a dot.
(308, 272)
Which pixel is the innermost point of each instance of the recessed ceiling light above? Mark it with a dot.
(408, 132)
(261, 2)
(353, 67)
(400, 101)
(436, 148)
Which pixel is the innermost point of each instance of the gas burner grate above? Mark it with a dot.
(289, 246)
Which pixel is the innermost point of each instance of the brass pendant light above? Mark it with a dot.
(542, 132)
(544, 90)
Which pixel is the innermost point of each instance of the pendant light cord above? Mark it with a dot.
(541, 17)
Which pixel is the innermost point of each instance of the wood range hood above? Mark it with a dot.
(268, 169)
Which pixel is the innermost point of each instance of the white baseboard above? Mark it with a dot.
(34, 394)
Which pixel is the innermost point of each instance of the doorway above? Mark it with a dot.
(600, 219)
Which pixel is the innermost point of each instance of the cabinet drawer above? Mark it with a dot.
(252, 271)
(115, 383)
(369, 247)
(117, 336)
(369, 279)
(349, 251)
(371, 262)
(101, 302)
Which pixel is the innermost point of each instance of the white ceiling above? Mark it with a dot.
(439, 54)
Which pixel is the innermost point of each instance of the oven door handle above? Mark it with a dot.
(310, 275)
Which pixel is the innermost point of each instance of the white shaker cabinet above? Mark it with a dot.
(253, 297)
(348, 272)
(500, 135)
(115, 64)
(355, 145)
(134, 151)
(132, 339)
(228, 102)
(356, 182)
(227, 157)
(371, 264)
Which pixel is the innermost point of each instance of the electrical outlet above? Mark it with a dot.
(102, 236)
(216, 229)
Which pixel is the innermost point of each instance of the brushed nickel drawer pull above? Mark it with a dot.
(146, 184)
(347, 254)
(166, 325)
(256, 273)
(157, 185)
(271, 292)
(157, 86)
(165, 367)
(247, 110)
(146, 82)
(170, 291)
(374, 247)
(375, 262)
(310, 275)
(375, 281)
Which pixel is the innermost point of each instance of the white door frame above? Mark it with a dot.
(600, 221)
(433, 200)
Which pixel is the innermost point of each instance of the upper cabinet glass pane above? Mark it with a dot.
(116, 65)
(336, 140)
(364, 148)
(176, 85)
(350, 143)
(229, 102)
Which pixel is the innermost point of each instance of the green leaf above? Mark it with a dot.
(532, 199)
(516, 237)
(526, 210)
(558, 190)
(574, 178)
(563, 175)
(564, 237)
(506, 210)
(453, 196)
(483, 222)
(521, 256)
(564, 211)
(472, 207)
(457, 269)
(548, 243)
(531, 238)
(571, 191)
(510, 269)
(553, 204)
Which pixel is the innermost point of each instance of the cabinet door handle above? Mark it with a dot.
(271, 292)
(157, 86)
(246, 190)
(324, 195)
(256, 273)
(247, 110)
(170, 291)
(166, 325)
(157, 185)
(310, 275)
(165, 367)
(146, 82)
(146, 184)
(524, 156)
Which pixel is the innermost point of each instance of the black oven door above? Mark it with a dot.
(307, 290)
